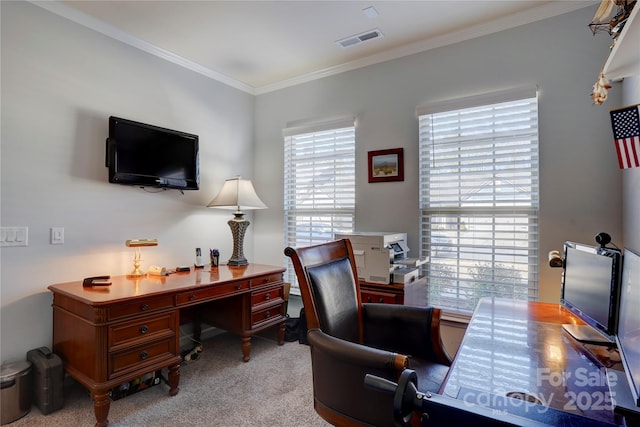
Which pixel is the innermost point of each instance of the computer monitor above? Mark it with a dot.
(590, 290)
(628, 336)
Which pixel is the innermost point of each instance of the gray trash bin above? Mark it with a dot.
(15, 396)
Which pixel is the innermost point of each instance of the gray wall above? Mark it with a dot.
(631, 177)
(580, 179)
(60, 83)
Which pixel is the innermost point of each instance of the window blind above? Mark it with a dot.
(319, 184)
(479, 198)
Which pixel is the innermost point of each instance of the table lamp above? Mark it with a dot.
(137, 244)
(238, 194)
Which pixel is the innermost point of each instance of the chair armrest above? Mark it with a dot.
(353, 353)
(408, 330)
(339, 368)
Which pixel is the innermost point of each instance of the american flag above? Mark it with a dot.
(626, 132)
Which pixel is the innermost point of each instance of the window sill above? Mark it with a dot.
(451, 318)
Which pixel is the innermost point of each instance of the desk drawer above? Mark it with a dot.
(135, 359)
(267, 295)
(211, 292)
(379, 297)
(266, 280)
(138, 307)
(269, 314)
(146, 329)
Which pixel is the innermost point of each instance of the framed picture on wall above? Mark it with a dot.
(386, 165)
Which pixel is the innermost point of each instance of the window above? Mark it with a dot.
(479, 198)
(319, 184)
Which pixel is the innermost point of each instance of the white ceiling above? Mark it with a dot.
(259, 46)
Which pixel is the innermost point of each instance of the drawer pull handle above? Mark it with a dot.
(144, 307)
(238, 287)
(368, 299)
(267, 314)
(143, 355)
(267, 296)
(144, 329)
(381, 300)
(192, 297)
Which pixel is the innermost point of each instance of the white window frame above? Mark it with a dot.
(479, 198)
(319, 184)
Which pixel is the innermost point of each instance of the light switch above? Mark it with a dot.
(57, 235)
(14, 236)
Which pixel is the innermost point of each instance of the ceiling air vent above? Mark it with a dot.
(360, 38)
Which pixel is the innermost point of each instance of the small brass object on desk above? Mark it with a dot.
(137, 243)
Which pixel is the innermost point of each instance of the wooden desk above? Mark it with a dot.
(519, 347)
(108, 335)
(413, 293)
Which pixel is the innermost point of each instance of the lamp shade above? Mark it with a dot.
(237, 193)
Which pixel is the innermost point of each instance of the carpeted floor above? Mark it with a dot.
(217, 389)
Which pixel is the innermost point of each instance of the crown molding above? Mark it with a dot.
(102, 27)
(522, 18)
(543, 12)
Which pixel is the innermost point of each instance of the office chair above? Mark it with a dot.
(349, 338)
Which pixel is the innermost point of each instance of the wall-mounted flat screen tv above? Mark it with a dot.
(145, 155)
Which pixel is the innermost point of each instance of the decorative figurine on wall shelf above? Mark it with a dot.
(215, 257)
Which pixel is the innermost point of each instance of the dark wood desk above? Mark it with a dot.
(413, 293)
(109, 335)
(518, 349)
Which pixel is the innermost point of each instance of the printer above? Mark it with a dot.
(381, 257)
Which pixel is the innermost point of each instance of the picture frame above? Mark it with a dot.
(386, 165)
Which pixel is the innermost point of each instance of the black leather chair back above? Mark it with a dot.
(334, 291)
